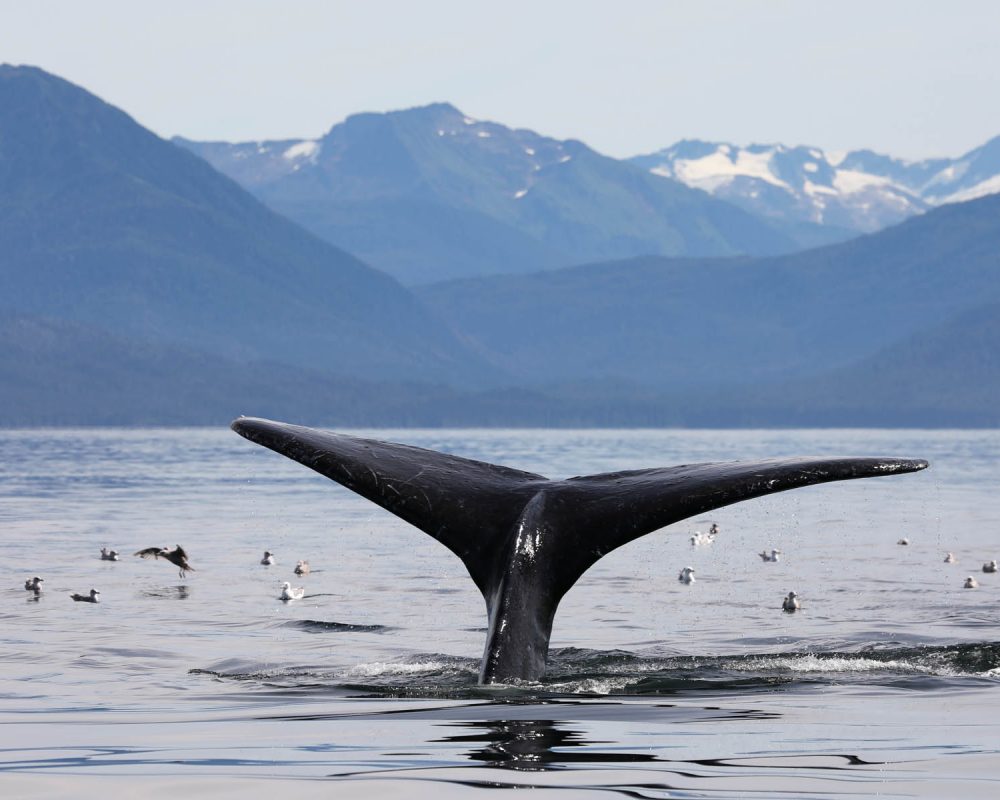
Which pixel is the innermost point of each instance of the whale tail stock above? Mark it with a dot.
(525, 539)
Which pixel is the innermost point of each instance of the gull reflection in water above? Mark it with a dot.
(535, 744)
(181, 592)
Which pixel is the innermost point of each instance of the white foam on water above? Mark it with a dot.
(376, 669)
(591, 686)
(838, 664)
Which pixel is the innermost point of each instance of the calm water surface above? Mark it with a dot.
(886, 683)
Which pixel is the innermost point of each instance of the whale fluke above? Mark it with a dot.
(525, 539)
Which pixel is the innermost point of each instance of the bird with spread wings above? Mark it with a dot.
(177, 556)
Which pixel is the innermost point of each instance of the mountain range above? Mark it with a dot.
(429, 193)
(681, 323)
(138, 285)
(832, 195)
(104, 224)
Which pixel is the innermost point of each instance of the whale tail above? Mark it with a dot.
(525, 539)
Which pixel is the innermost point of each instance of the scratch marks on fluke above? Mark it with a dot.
(524, 539)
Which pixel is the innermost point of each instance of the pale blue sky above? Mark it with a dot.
(908, 77)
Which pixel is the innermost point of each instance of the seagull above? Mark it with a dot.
(268, 558)
(904, 540)
(686, 575)
(714, 530)
(288, 593)
(699, 538)
(35, 584)
(791, 603)
(93, 597)
(177, 556)
(970, 583)
(990, 566)
(774, 556)
(302, 568)
(949, 558)
(108, 555)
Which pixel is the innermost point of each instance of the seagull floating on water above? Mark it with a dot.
(698, 538)
(302, 568)
(970, 583)
(774, 556)
(904, 540)
(990, 566)
(109, 555)
(714, 530)
(791, 603)
(949, 558)
(177, 557)
(268, 558)
(93, 597)
(34, 584)
(288, 593)
(686, 575)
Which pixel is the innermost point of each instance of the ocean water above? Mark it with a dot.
(886, 683)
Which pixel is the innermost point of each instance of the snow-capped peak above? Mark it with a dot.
(855, 191)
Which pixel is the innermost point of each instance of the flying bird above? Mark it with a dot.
(177, 557)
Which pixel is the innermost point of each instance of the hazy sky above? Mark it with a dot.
(909, 77)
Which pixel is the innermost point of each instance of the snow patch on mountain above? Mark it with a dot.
(856, 190)
(989, 186)
(710, 172)
(850, 181)
(305, 149)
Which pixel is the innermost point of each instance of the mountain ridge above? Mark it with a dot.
(140, 286)
(106, 224)
(855, 191)
(535, 202)
(675, 323)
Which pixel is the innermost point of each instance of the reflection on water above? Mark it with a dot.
(324, 626)
(533, 744)
(181, 592)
